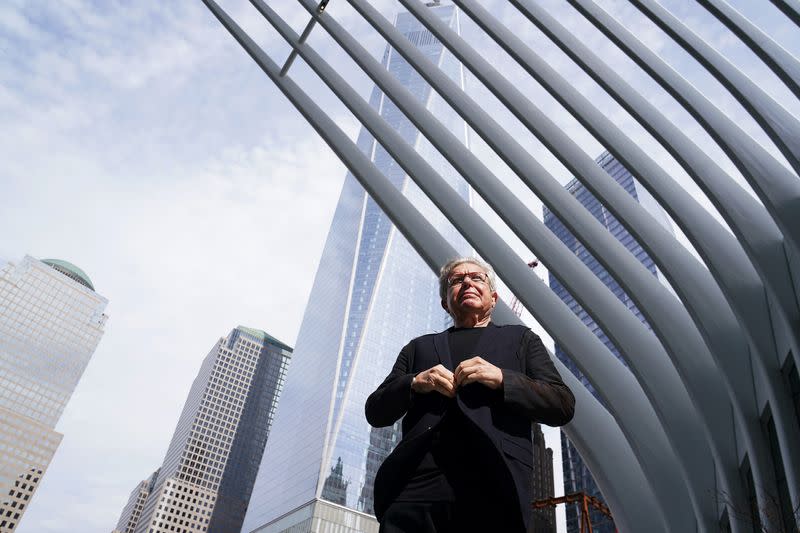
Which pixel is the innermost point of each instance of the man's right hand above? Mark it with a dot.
(437, 379)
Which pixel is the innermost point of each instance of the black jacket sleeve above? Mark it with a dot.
(539, 394)
(391, 399)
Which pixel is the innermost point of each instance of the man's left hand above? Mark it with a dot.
(478, 370)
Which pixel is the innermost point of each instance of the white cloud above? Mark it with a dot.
(14, 22)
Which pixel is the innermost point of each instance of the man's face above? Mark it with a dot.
(468, 291)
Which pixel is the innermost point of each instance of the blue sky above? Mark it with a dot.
(139, 142)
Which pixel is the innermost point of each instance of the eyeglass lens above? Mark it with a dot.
(475, 277)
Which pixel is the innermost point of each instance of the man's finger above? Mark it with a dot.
(469, 363)
(438, 382)
(466, 373)
(443, 372)
(444, 382)
(445, 387)
(472, 377)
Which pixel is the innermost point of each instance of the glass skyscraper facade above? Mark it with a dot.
(51, 320)
(205, 481)
(577, 477)
(371, 295)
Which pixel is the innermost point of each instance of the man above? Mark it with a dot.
(469, 395)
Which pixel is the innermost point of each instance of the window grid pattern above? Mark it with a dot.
(182, 508)
(577, 477)
(14, 503)
(50, 325)
(137, 509)
(243, 374)
(133, 509)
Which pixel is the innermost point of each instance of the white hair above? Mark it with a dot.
(447, 269)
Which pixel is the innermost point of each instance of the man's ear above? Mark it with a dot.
(495, 297)
(444, 305)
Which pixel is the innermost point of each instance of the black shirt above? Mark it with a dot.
(443, 474)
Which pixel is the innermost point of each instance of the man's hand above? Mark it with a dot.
(478, 370)
(437, 379)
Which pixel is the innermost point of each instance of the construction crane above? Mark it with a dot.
(584, 500)
(516, 305)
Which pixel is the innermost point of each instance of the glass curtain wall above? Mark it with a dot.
(371, 295)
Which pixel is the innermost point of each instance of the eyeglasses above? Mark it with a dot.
(474, 277)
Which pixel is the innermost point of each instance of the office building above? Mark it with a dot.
(577, 477)
(371, 295)
(542, 484)
(133, 509)
(51, 320)
(205, 482)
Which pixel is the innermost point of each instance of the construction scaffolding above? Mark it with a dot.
(580, 498)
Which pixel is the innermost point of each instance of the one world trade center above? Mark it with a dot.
(372, 294)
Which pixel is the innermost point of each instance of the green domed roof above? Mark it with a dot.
(70, 270)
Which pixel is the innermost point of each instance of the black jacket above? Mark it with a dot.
(532, 392)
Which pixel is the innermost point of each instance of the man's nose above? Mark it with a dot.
(468, 282)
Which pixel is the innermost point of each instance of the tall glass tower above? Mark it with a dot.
(51, 320)
(205, 482)
(371, 295)
(577, 477)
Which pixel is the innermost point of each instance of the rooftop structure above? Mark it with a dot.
(71, 271)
